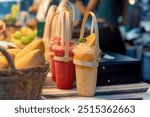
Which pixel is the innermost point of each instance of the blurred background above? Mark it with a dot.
(135, 33)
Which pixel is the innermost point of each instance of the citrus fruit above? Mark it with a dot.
(90, 39)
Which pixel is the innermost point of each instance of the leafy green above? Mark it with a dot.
(82, 40)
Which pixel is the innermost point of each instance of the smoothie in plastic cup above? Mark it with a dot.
(86, 76)
(64, 71)
(52, 62)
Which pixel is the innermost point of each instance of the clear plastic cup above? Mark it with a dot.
(64, 70)
(51, 56)
(86, 75)
(86, 55)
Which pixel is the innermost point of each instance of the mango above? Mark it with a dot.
(4, 62)
(31, 59)
(36, 44)
(25, 31)
(11, 51)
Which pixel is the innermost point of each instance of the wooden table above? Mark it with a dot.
(132, 91)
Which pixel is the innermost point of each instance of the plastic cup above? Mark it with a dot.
(64, 70)
(52, 66)
(51, 56)
(86, 60)
(86, 76)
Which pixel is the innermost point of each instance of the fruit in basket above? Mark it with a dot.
(31, 35)
(17, 35)
(25, 31)
(37, 44)
(13, 40)
(31, 59)
(4, 62)
(23, 37)
(17, 42)
(12, 52)
(25, 40)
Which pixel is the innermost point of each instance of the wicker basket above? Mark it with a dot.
(22, 84)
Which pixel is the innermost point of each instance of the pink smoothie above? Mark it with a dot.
(52, 62)
(64, 70)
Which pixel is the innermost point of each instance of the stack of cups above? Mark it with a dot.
(48, 36)
(48, 27)
(86, 60)
(52, 34)
(63, 54)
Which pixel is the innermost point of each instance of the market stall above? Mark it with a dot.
(47, 61)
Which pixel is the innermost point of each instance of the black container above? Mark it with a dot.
(118, 69)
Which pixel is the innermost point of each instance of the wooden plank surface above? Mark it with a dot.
(112, 92)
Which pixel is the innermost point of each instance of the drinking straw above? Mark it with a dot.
(58, 32)
(72, 16)
(55, 26)
(73, 13)
(62, 27)
(68, 35)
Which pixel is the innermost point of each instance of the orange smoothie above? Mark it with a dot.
(86, 76)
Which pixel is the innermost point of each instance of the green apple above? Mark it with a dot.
(17, 35)
(31, 35)
(25, 40)
(17, 42)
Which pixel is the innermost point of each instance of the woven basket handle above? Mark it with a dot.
(9, 59)
(93, 27)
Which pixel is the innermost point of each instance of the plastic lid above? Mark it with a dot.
(40, 28)
(60, 51)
